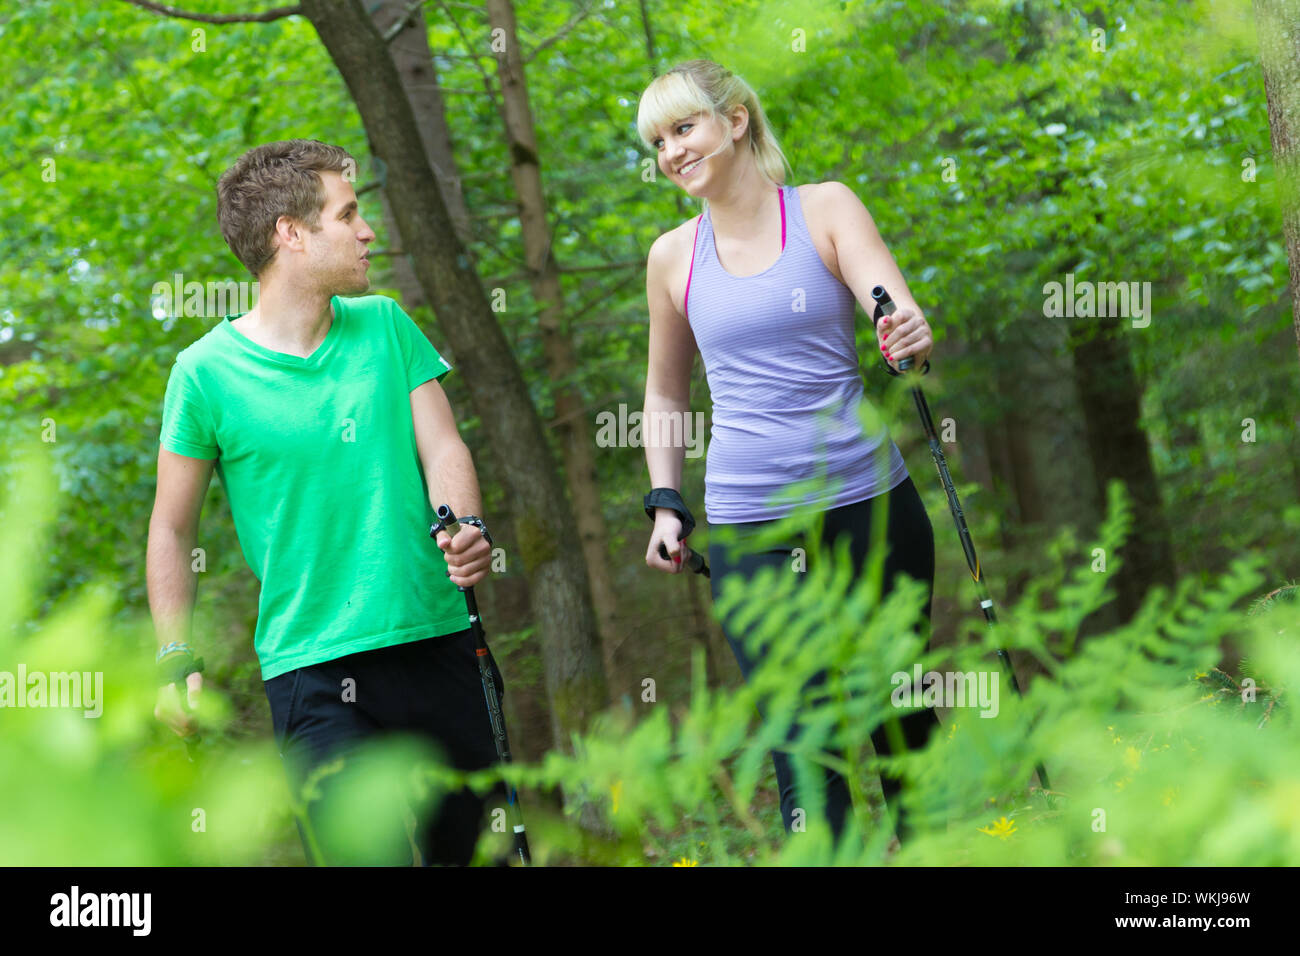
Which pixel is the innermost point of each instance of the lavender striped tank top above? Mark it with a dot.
(779, 354)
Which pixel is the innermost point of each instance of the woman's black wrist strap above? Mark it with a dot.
(670, 499)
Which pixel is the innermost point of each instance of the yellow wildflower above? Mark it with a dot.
(686, 862)
(1001, 828)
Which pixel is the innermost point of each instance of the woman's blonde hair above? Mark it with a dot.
(702, 86)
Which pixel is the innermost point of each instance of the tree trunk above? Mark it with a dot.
(1278, 24)
(561, 359)
(505, 596)
(1111, 398)
(414, 62)
(575, 679)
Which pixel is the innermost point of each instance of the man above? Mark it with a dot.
(325, 421)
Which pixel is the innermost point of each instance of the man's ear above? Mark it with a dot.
(287, 232)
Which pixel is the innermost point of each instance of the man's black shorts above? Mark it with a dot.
(429, 688)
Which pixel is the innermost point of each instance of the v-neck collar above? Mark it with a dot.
(315, 360)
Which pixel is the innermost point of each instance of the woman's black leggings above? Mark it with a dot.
(910, 539)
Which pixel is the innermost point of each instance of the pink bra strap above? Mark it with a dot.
(687, 297)
(781, 192)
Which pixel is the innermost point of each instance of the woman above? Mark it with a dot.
(763, 285)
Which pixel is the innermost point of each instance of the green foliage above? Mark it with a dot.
(1145, 769)
(1144, 182)
(105, 790)
(1123, 163)
(1132, 740)
(102, 783)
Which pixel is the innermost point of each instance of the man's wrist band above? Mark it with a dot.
(670, 499)
(172, 647)
(177, 666)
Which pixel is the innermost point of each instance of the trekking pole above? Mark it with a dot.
(885, 306)
(694, 561)
(447, 522)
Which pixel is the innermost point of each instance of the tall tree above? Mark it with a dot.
(575, 677)
(406, 33)
(570, 418)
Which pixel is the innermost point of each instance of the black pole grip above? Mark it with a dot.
(447, 521)
(695, 562)
(885, 306)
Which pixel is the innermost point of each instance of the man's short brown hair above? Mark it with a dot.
(270, 181)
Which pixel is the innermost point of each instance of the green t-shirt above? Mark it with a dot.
(319, 461)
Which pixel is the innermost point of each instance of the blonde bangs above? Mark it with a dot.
(669, 99)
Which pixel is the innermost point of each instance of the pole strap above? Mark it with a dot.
(672, 500)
